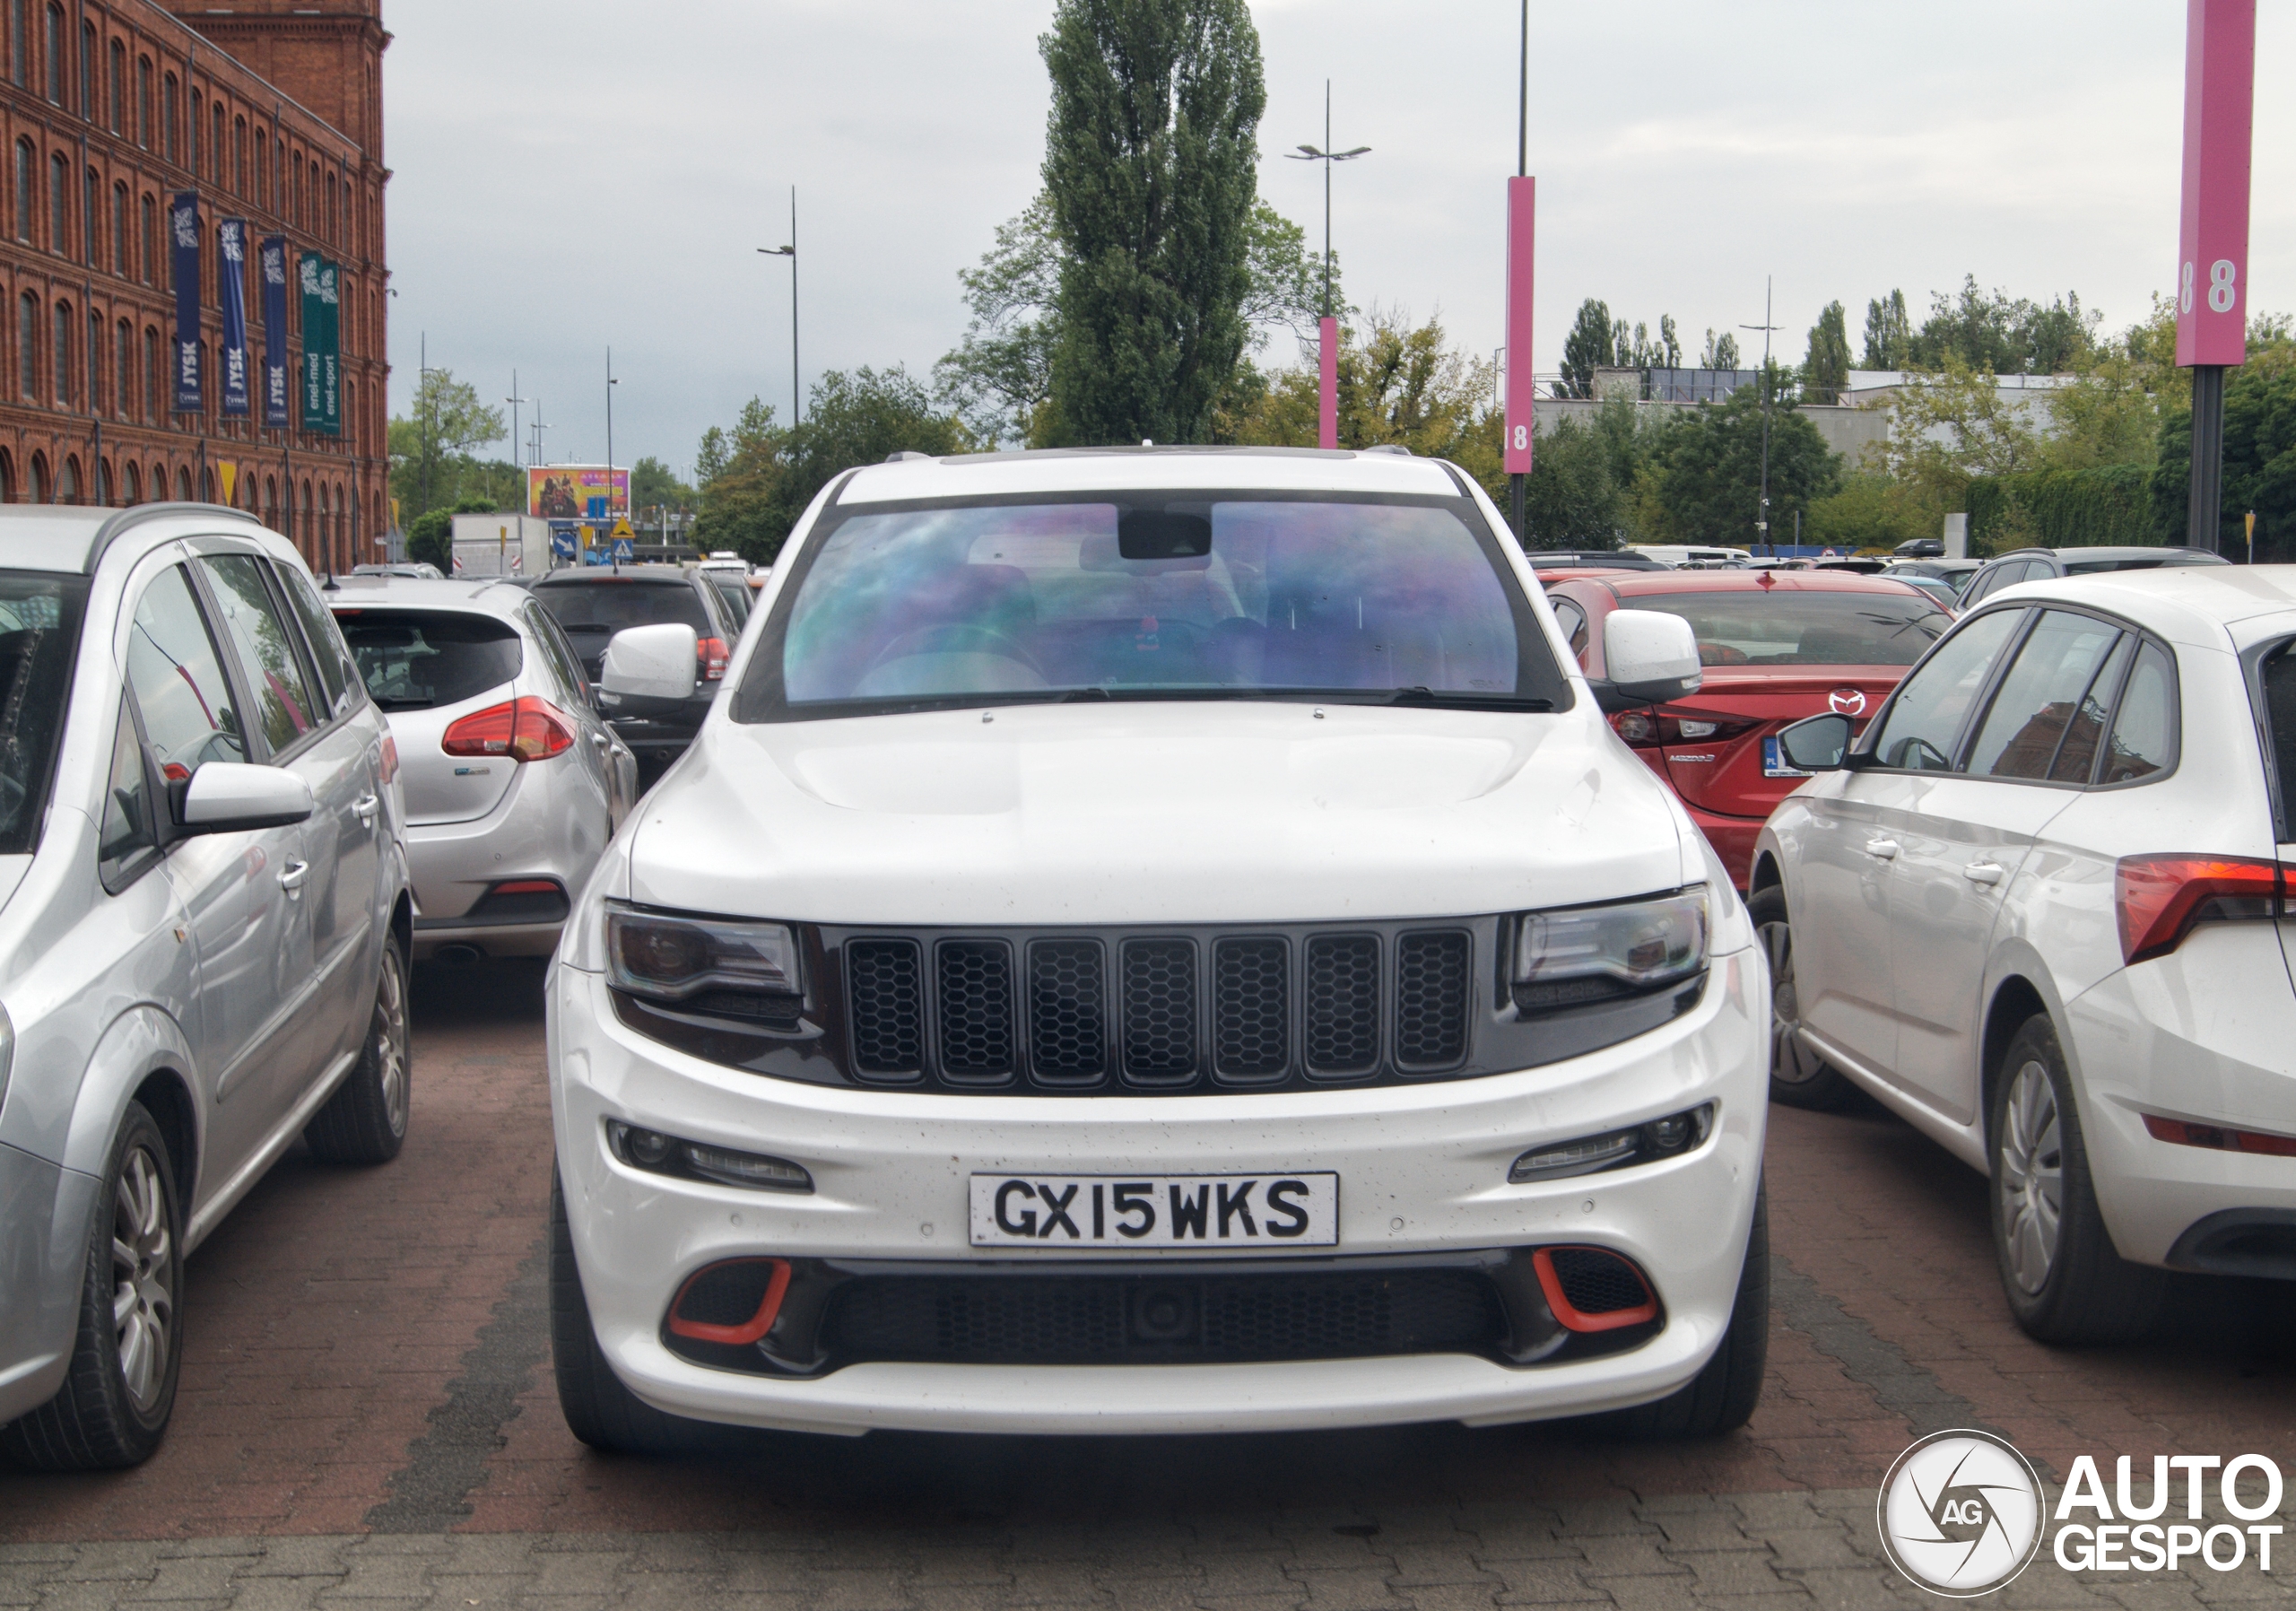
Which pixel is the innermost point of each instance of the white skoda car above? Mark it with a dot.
(1156, 940)
(2041, 909)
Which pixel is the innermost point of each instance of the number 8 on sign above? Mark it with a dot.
(1522, 436)
(2221, 294)
(2184, 290)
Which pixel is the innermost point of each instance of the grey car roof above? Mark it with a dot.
(482, 596)
(73, 538)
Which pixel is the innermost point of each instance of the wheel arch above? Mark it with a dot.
(143, 1056)
(2015, 999)
(1766, 875)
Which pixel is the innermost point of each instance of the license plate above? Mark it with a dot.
(1150, 1213)
(1773, 761)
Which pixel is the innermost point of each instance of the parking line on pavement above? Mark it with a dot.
(430, 1493)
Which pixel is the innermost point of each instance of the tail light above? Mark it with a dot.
(526, 729)
(389, 768)
(2183, 1133)
(1647, 727)
(2159, 898)
(711, 653)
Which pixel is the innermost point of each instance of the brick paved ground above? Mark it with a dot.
(366, 1418)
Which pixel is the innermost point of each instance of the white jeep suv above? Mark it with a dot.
(1156, 940)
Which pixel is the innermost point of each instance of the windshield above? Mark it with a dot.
(1782, 626)
(609, 606)
(1144, 597)
(39, 627)
(412, 659)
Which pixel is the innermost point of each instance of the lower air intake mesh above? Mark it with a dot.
(1598, 1283)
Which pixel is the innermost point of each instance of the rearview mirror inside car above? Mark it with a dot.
(1817, 743)
(649, 663)
(228, 796)
(1649, 657)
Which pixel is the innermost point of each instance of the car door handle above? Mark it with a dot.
(1983, 872)
(1886, 848)
(365, 806)
(293, 879)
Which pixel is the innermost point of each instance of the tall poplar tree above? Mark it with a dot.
(1150, 170)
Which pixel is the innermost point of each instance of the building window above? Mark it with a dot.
(153, 391)
(151, 239)
(216, 107)
(67, 482)
(88, 70)
(143, 107)
(27, 190)
(63, 351)
(295, 216)
(28, 346)
(123, 233)
(183, 484)
(262, 169)
(19, 40)
(37, 491)
(239, 156)
(132, 483)
(116, 81)
(55, 64)
(92, 209)
(168, 109)
(123, 342)
(95, 361)
(59, 203)
(197, 104)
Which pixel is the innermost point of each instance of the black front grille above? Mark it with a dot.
(887, 993)
(1110, 1319)
(1596, 1281)
(1159, 1011)
(974, 978)
(1251, 1004)
(1342, 1007)
(1069, 1034)
(1431, 994)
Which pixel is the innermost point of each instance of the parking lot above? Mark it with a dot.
(367, 1413)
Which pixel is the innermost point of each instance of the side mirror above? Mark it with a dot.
(229, 796)
(1649, 657)
(649, 663)
(1817, 743)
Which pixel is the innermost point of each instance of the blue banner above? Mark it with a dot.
(273, 262)
(183, 234)
(231, 290)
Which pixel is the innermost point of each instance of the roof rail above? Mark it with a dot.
(1389, 447)
(128, 519)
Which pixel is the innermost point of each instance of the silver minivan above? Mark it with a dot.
(203, 932)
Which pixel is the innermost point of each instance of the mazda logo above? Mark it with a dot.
(1847, 701)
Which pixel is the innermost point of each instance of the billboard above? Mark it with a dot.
(578, 493)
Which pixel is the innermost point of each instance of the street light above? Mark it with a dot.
(1328, 333)
(790, 252)
(611, 384)
(1762, 519)
(514, 400)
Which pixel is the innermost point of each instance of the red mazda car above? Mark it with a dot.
(1778, 646)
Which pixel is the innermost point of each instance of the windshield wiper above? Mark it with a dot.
(1419, 693)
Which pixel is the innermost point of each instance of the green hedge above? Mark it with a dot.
(2108, 506)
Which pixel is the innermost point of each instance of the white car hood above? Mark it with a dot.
(1180, 812)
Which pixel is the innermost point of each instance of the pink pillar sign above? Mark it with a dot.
(1522, 197)
(1328, 387)
(2213, 245)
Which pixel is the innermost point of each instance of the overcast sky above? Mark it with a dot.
(588, 173)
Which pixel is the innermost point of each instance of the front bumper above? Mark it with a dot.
(44, 1221)
(1422, 1168)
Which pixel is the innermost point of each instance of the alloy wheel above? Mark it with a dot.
(2032, 1176)
(389, 1032)
(1791, 1063)
(143, 1268)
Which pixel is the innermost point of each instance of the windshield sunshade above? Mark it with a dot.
(39, 627)
(1145, 599)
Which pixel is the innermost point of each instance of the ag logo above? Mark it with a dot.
(1961, 1513)
(1847, 701)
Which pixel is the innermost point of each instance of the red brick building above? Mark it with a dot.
(272, 110)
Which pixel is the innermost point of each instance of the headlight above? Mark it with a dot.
(672, 958)
(1580, 954)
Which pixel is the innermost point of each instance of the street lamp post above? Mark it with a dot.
(1327, 327)
(514, 400)
(790, 252)
(1761, 519)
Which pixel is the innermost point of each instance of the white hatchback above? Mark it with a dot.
(2042, 911)
(1155, 940)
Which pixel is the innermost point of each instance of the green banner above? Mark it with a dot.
(319, 282)
(331, 356)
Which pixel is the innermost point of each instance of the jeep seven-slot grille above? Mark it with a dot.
(1158, 1011)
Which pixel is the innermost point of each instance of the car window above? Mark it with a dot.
(1998, 578)
(1785, 626)
(1924, 718)
(2279, 677)
(39, 628)
(558, 654)
(124, 842)
(2044, 698)
(2144, 727)
(605, 604)
(284, 707)
(415, 659)
(2076, 758)
(736, 597)
(177, 674)
(1572, 618)
(336, 668)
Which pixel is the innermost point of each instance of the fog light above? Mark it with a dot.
(648, 1149)
(1667, 1138)
(690, 1160)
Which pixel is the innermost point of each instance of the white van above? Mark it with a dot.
(1679, 554)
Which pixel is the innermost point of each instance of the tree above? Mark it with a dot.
(1670, 346)
(1868, 510)
(1955, 425)
(2002, 335)
(430, 445)
(430, 535)
(1889, 333)
(1825, 372)
(652, 485)
(1150, 172)
(1721, 352)
(1571, 498)
(2260, 455)
(1587, 348)
(1396, 384)
(1706, 470)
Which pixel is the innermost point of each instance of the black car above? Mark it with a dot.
(594, 604)
(2036, 564)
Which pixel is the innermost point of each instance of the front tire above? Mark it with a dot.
(1798, 1076)
(1721, 1398)
(120, 1388)
(2064, 1281)
(365, 1120)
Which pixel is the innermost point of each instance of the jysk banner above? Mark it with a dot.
(231, 290)
(183, 231)
(330, 354)
(274, 264)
